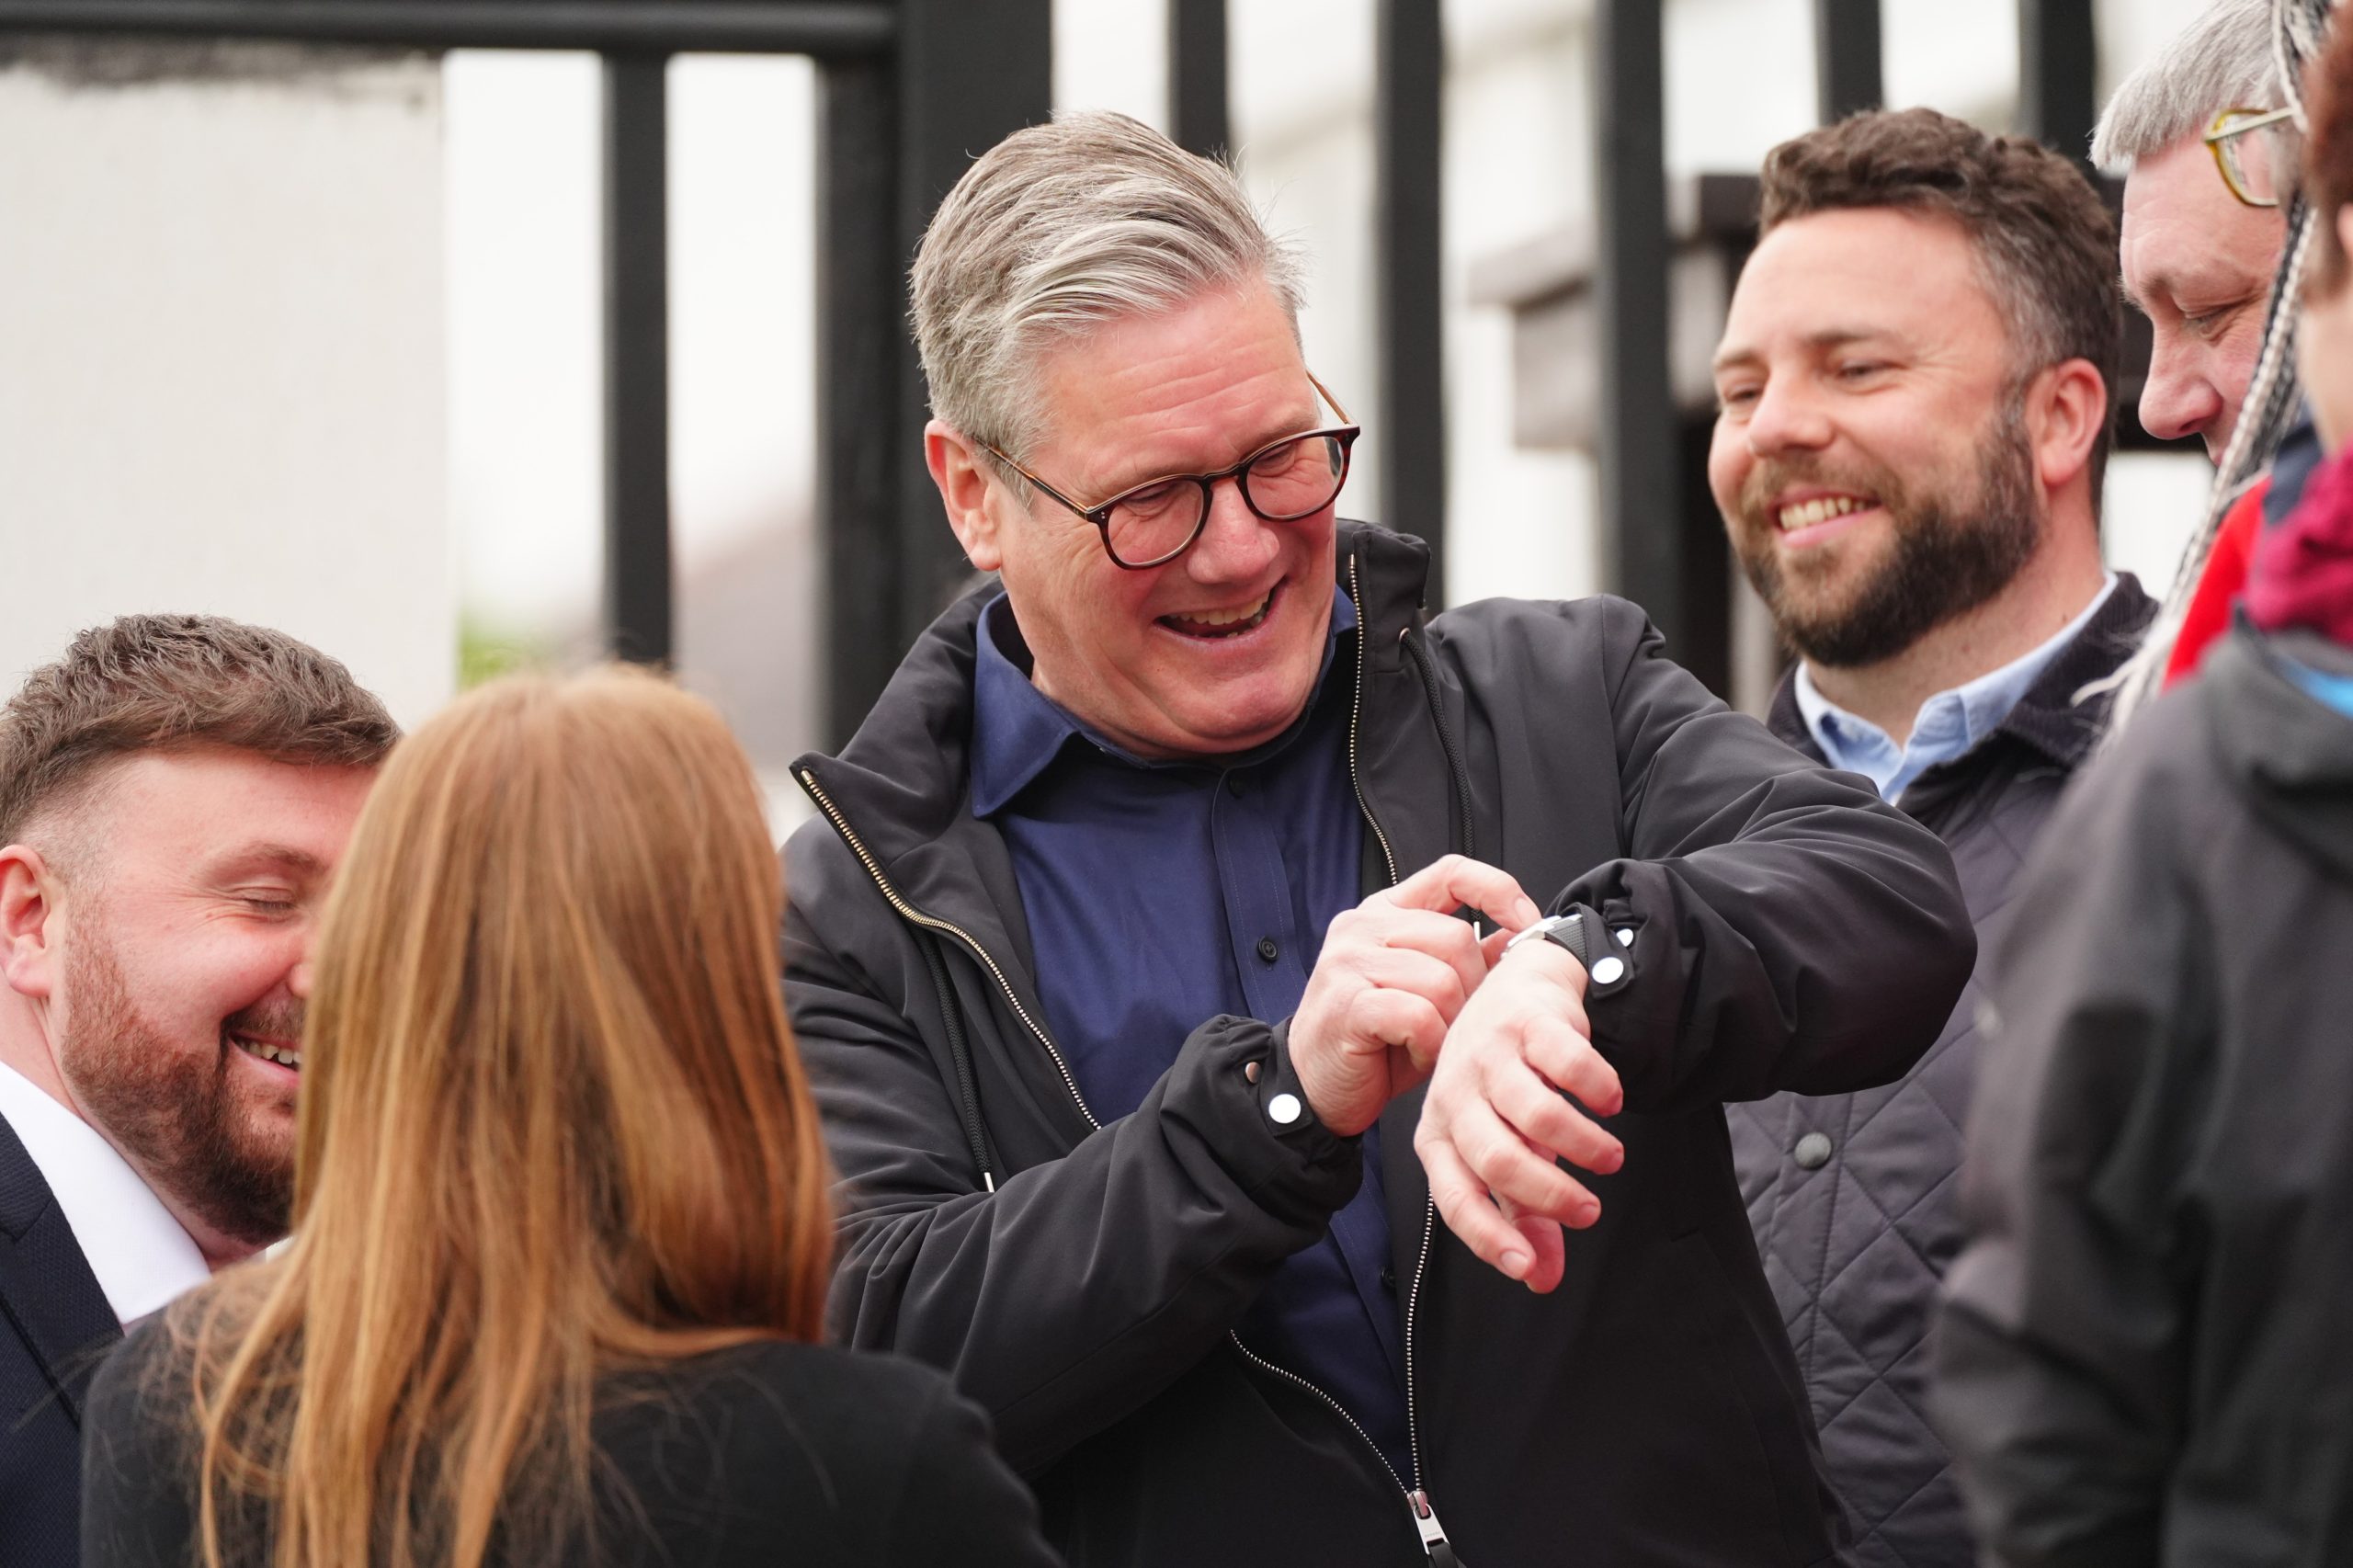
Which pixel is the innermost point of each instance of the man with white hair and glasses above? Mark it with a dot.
(2208, 156)
(1126, 939)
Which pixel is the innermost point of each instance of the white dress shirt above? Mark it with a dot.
(138, 1251)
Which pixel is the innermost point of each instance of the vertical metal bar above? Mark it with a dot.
(1198, 107)
(1409, 72)
(972, 72)
(1847, 56)
(2058, 66)
(861, 341)
(1643, 553)
(637, 596)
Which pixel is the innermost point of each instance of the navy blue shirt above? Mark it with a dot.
(1160, 894)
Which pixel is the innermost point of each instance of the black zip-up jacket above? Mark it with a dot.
(2143, 1357)
(1082, 1281)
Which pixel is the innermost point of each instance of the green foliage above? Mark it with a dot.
(486, 653)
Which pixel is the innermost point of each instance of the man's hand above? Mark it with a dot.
(1394, 974)
(1496, 1117)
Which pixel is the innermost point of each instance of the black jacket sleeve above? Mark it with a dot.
(1083, 1285)
(1792, 931)
(2062, 1340)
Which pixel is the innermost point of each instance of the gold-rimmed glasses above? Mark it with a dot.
(1153, 523)
(2246, 166)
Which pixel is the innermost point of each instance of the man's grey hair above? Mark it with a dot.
(2224, 60)
(1058, 228)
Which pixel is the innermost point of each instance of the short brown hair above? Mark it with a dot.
(147, 682)
(2045, 244)
(2328, 155)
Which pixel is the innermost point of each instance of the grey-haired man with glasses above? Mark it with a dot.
(1131, 930)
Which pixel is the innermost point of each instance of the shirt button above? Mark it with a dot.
(1267, 951)
(1813, 1152)
(1283, 1109)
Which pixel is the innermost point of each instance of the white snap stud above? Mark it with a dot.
(1607, 971)
(1284, 1109)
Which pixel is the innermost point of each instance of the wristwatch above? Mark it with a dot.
(1584, 941)
(1566, 930)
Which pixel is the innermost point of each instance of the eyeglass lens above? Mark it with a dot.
(1283, 484)
(2245, 152)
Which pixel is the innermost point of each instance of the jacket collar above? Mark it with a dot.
(908, 768)
(901, 792)
(47, 1291)
(2047, 717)
(2288, 752)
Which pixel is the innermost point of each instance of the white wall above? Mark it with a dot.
(221, 369)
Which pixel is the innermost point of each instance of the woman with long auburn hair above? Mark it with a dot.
(563, 1230)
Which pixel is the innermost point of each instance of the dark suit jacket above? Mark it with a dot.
(56, 1327)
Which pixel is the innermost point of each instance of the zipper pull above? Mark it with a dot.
(1434, 1541)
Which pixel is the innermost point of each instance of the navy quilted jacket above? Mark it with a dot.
(1852, 1197)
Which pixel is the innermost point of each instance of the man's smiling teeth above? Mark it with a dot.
(1228, 621)
(1821, 509)
(278, 1054)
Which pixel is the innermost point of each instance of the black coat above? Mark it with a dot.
(764, 1454)
(1853, 1197)
(1791, 931)
(55, 1328)
(2143, 1356)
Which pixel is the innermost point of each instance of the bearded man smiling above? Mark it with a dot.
(174, 793)
(1914, 412)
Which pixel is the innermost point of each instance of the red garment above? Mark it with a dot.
(2218, 586)
(2303, 574)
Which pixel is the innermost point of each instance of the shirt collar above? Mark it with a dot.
(140, 1256)
(1950, 724)
(1017, 730)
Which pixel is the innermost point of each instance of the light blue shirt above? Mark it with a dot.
(2334, 690)
(1949, 725)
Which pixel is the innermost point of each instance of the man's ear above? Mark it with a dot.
(960, 471)
(28, 922)
(2067, 419)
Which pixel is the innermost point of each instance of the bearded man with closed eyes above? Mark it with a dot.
(174, 793)
(1914, 412)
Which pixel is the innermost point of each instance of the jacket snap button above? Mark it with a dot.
(1267, 951)
(1283, 1109)
(1608, 971)
(1813, 1152)
(1249, 1072)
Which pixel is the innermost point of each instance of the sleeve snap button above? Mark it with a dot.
(1284, 1109)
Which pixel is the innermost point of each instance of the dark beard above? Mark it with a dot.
(174, 1113)
(1947, 560)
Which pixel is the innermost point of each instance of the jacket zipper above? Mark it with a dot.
(1417, 1501)
(1356, 717)
(933, 923)
(1425, 1514)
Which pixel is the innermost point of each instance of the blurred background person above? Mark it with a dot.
(1915, 384)
(563, 1223)
(175, 793)
(2208, 155)
(2143, 1357)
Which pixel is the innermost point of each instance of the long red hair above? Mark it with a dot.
(551, 1124)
